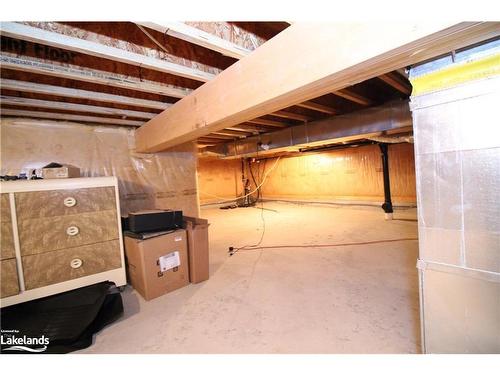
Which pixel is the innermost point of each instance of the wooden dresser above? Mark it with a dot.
(58, 235)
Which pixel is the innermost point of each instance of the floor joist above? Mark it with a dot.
(283, 72)
(91, 76)
(290, 115)
(199, 37)
(36, 35)
(261, 121)
(353, 97)
(38, 88)
(68, 117)
(64, 106)
(317, 107)
(397, 82)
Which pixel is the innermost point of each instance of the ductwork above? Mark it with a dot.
(371, 122)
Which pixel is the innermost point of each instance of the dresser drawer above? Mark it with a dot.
(57, 266)
(60, 232)
(9, 280)
(4, 208)
(6, 241)
(38, 204)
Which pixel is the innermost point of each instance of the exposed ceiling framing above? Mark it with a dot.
(124, 74)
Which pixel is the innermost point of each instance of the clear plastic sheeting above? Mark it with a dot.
(161, 180)
(348, 175)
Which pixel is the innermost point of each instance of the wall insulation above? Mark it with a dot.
(347, 175)
(455, 119)
(161, 180)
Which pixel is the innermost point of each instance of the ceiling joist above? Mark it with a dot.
(396, 81)
(290, 115)
(353, 97)
(317, 107)
(91, 76)
(36, 35)
(261, 121)
(64, 106)
(68, 117)
(199, 37)
(38, 88)
(283, 81)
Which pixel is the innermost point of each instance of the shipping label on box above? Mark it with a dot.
(169, 261)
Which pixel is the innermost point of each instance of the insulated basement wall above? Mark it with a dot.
(161, 180)
(347, 175)
(457, 144)
(219, 179)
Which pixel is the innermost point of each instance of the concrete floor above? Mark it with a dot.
(350, 299)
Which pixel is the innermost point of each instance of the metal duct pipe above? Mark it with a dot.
(366, 123)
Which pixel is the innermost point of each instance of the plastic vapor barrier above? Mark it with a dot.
(350, 175)
(161, 180)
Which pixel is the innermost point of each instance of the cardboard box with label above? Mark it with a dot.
(158, 265)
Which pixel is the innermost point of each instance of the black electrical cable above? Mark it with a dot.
(233, 250)
(253, 178)
(248, 248)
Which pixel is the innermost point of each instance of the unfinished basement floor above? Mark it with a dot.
(348, 299)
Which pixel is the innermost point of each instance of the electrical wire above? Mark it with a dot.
(257, 247)
(232, 250)
(225, 200)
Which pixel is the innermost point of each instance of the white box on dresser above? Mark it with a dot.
(59, 235)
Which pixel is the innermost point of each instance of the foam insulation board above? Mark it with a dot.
(161, 180)
(458, 169)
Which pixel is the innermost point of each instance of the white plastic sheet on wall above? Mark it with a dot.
(162, 180)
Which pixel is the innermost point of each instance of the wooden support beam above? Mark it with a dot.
(290, 115)
(395, 80)
(64, 106)
(90, 75)
(261, 121)
(38, 88)
(68, 117)
(199, 37)
(297, 65)
(317, 107)
(353, 97)
(36, 35)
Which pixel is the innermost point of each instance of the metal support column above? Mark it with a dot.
(387, 205)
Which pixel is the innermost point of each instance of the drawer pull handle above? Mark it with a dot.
(76, 263)
(72, 230)
(69, 202)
